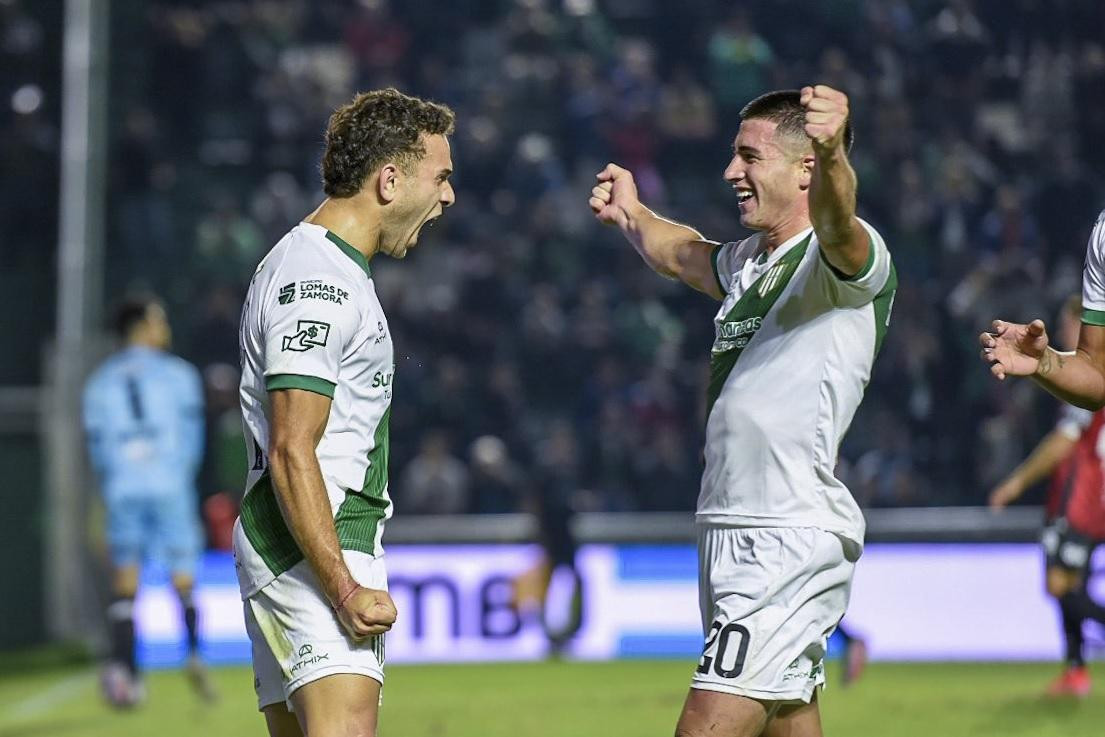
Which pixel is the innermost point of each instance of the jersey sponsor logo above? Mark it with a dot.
(287, 294)
(309, 333)
(736, 333)
(382, 379)
(318, 289)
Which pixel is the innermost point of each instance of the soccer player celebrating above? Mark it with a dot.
(143, 415)
(1075, 522)
(805, 305)
(317, 373)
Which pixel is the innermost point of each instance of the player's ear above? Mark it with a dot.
(387, 182)
(807, 163)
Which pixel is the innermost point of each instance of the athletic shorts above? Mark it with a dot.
(164, 529)
(1067, 548)
(297, 638)
(769, 598)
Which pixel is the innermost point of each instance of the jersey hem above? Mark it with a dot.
(314, 384)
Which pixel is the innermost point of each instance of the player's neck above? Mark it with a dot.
(776, 236)
(346, 219)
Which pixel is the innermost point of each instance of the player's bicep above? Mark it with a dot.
(861, 287)
(1091, 343)
(298, 419)
(698, 267)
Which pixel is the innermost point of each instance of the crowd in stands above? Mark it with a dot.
(533, 347)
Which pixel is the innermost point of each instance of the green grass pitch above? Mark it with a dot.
(558, 699)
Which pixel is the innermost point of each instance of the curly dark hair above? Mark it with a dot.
(377, 127)
(784, 108)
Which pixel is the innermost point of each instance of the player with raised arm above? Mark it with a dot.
(1078, 376)
(1075, 519)
(805, 305)
(316, 391)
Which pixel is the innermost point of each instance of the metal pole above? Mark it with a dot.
(80, 285)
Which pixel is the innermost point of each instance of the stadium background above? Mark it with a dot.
(535, 354)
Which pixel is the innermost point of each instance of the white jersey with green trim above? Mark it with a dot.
(312, 321)
(796, 341)
(1093, 276)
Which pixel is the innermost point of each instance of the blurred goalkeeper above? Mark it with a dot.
(143, 415)
(805, 304)
(1075, 522)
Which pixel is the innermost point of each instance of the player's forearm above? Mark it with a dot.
(833, 212)
(1044, 458)
(305, 506)
(659, 240)
(1072, 377)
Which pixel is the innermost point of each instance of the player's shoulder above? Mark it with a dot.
(311, 251)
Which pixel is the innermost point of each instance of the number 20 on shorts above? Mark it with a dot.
(718, 645)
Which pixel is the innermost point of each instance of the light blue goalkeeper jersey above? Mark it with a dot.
(143, 415)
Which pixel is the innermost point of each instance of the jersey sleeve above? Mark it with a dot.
(726, 262)
(1073, 421)
(305, 338)
(1093, 276)
(191, 416)
(93, 417)
(861, 288)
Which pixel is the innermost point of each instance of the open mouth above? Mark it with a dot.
(744, 195)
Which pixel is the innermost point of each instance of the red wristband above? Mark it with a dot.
(345, 598)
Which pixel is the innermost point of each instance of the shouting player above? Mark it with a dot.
(1075, 522)
(317, 378)
(805, 306)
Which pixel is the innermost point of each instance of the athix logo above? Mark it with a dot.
(309, 333)
(307, 657)
(287, 293)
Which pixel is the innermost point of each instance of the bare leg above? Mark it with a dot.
(716, 714)
(796, 720)
(341, 705)
(281, 722)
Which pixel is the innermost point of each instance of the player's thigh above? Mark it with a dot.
(718, 714)
(126, 531)
(1062, 580)
(339, 705)
(795, 720)
(281, 722)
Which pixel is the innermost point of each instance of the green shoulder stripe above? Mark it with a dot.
(713, 262)
(1093, 317)
(867, 266)
(744, 320)
(300, 381)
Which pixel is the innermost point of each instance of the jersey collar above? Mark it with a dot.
(763, 257)
(350, 251)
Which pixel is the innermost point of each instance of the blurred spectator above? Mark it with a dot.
(435, 481)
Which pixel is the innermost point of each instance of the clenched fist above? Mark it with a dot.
(366, 613)
(826, 116)
(614, 199)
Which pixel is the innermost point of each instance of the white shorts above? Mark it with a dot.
(769, 598)
(297, 638)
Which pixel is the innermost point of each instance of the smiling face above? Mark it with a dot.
(771, 176)
(421, 196)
